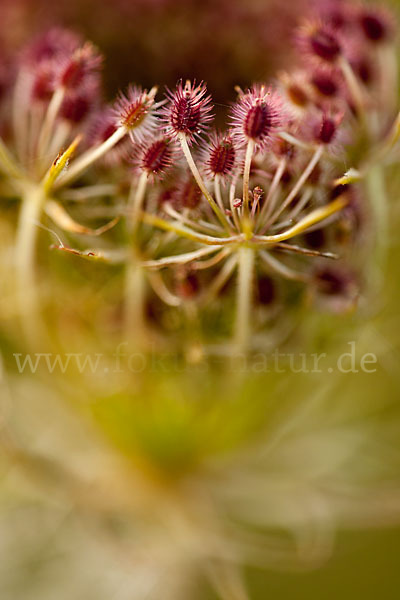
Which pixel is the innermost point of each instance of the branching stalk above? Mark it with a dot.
(196, 174)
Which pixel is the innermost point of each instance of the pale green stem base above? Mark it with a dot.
(26, 286)
(135, 297)
(244, 300)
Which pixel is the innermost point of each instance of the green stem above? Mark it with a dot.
(138, 193)
(7, 164)
(135, 297)
(49, 120)
(244, 299)
(193, 167)
(355, 89)
(27, 293)
(246, 178)
(297, 187)
(376, 189)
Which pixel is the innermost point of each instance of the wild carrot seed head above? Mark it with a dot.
(155, 157)
(78, 105)
(220, 156)
(188, 110)
(257, 115)
(376, 24)
(136, 110)
(326, 81)
(103, 125)
(319, 42)
(80, 67)
(54, 44)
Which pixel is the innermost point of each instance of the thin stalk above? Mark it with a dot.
(300, 205)
(246, 177)
(135, 298)
(90, 157)
(179, 259)
(59, 139)
(268, 204)
(299, 184)
(220, 280)
(316, 216)
(27, 293)
(196, 174)
(7, 164)
(211, 262)
(136, 201)
(49, 120)
(375, 184)
(188, 233)
(20, 113)
(276, 265)
(157, 283)
(291, 248)
(217, 191)
(202, 227)
(246, 258)
(354, 87)
(91, 191)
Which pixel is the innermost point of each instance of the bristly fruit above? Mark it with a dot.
(188, 111)
(257, 116)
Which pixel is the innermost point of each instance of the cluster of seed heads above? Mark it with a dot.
(266, 198)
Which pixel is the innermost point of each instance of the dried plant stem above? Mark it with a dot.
(196, 174)
(246, 258)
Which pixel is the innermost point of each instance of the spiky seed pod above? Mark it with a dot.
(43, 83)
(188, 110)
(326, 82)
(188, 194)
(102, 127)
(77, 106)
(55, 44)
(296, 89)
(376, 25)
(78, 69)
(319, 42)
(324, 129)
(156, 157)
(220, 156)
(136, 110)
(257, 115)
